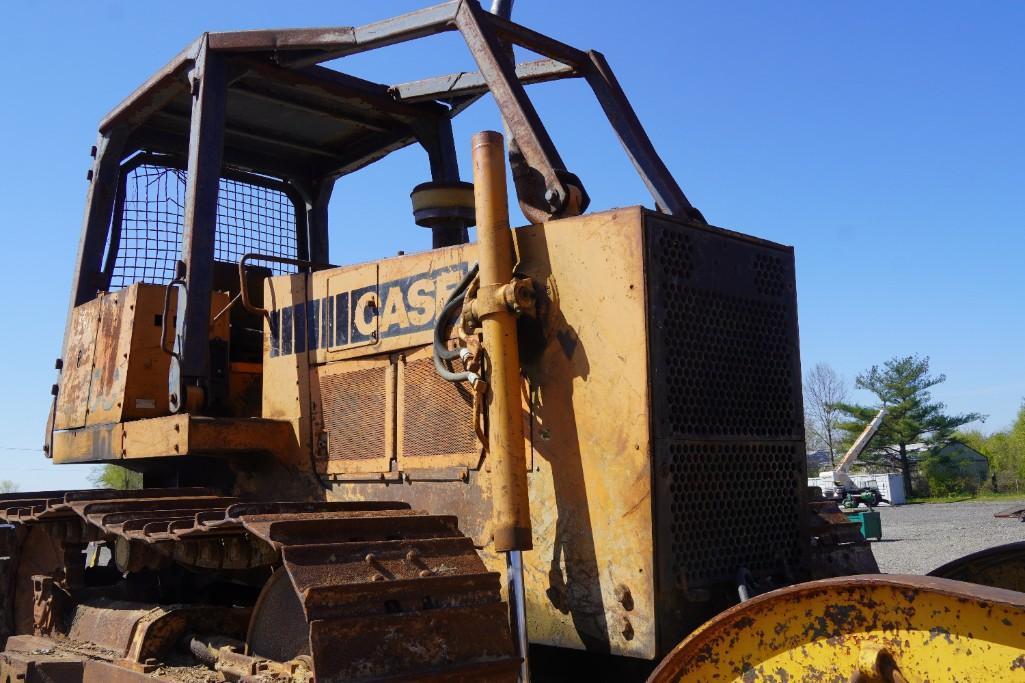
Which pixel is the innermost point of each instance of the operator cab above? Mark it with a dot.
(217, 173)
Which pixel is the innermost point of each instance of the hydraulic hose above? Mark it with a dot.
(441, 352)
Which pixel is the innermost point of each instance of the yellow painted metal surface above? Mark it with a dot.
(591, 576)
(863, 628)
(286, 376)
(590, 579)
(172, 435)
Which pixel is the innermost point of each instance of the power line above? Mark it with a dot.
(15, 448)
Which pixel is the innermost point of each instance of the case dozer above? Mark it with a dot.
(584, 434)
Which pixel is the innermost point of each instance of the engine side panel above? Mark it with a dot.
(591, 577)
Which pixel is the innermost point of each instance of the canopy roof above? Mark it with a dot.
(287, 115)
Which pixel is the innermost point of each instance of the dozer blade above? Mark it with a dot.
(863, 629)
(1002, 566)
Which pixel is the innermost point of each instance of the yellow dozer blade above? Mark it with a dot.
(862, 629)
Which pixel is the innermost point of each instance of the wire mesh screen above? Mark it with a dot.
(250, 218)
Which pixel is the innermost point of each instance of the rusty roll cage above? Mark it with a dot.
(208, 99)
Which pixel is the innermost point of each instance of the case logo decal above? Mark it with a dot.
(364, 315)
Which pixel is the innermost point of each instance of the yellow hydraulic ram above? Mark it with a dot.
(505, 423)
(861, 629)
(511, 508)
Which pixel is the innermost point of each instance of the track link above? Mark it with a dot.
(383, 592)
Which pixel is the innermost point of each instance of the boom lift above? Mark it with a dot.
(346, 470)
(846, 490)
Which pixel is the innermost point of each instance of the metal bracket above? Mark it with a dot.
(243, 285)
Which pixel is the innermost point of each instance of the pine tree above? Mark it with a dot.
(902, 384)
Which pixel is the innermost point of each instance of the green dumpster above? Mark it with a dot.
(871, 526)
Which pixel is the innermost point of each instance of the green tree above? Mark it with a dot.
(8, 486)
(116, 477)
(1003, 459)
(973, 438)
(902, 384)
(948, 477)
(1004, 448)
(1007, 450)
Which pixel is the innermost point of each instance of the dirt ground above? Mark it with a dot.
(918, 538)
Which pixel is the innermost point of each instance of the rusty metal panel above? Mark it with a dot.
(211, 435)
(727, 415)
(110, 364)
(73, 399)
(33, 666)
(129, 368)
(355, 423)
(174, 435)
(435, 417)
(188, 435)
(381, 646)
(590, 579)
(109, 623)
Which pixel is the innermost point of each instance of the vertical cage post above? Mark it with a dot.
(206, 144)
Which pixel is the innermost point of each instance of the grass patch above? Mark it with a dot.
(980, 496)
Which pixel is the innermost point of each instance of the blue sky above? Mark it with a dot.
(883, 140)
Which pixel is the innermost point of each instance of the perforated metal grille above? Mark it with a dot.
(728, 366)
(770, 276)
(727, 417)
(725, 513)
(250, 218)
(437, 416)
(674, 254)
(355, 410)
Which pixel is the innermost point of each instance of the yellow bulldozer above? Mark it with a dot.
(531, 455)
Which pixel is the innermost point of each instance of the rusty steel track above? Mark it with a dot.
(378, 590)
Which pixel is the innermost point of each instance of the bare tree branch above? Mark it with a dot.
(824, 390)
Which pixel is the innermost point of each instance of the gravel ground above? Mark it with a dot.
(918, 538)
